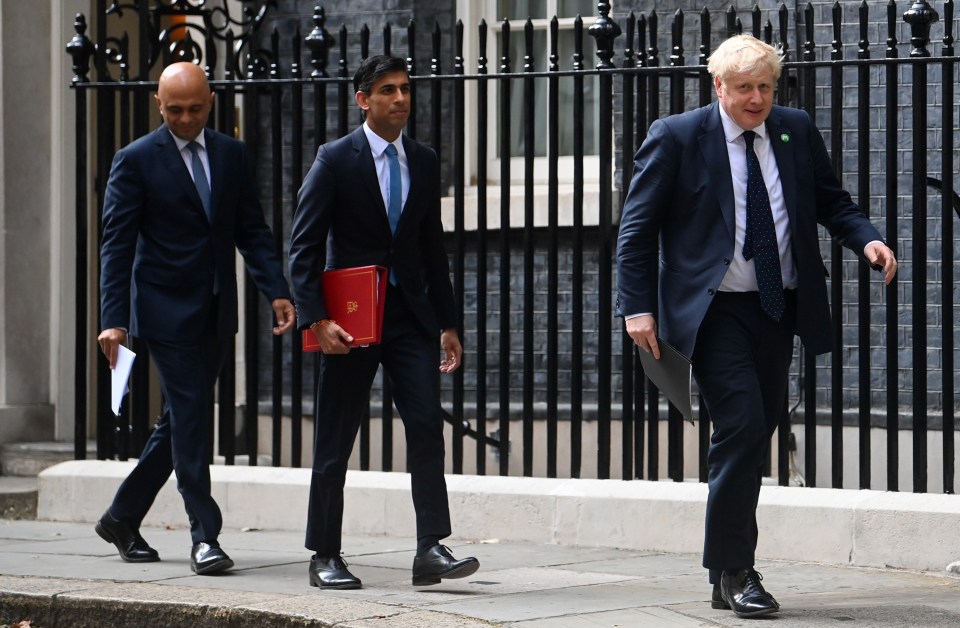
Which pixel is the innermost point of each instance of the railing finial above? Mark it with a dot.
(319, 42)
(81, 49)
(920, 16)
(604, 30)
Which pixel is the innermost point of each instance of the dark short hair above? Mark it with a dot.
(373, 68)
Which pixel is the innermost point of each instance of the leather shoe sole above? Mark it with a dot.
(316, 581)
(757, 613)
(213, 567)
(468, 567)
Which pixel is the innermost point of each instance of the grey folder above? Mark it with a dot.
(671, 375)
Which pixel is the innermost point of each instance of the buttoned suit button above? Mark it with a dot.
(710, 291)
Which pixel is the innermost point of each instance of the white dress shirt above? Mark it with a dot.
(741, 276)
(188, 156)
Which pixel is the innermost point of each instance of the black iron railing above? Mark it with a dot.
(551, 385)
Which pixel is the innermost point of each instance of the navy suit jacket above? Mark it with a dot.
(341, 222)
(160, 255)
(682, 193)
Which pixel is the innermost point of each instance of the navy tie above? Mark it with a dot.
(396, 189)
(760, 241)
(200, 179)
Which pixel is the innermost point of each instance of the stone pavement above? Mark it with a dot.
(62, 574)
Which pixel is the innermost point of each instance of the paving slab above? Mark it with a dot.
(62, 574)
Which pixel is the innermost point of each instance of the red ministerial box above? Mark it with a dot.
(354, 299)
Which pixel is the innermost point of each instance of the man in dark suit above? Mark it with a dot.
(373, 198)
(179, 202)
(734, 192)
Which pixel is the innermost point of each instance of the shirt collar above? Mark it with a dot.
(182, 143)
(378, 144)
(732, 131)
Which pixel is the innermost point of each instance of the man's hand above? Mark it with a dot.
(879, 254)
(643, 330)
(452, 350)
(110, 341)
(333, 338)
(285, 314)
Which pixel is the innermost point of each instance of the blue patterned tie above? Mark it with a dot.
(200, 179)
(395, 192)
(760, 241)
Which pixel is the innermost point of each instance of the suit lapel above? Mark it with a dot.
(218, 164)
(780, 139)
(416, 176)
(172, 160)
(713, 147)
(368, 175)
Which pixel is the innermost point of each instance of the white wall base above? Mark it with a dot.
(846, 527)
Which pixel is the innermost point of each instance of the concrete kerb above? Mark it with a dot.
(835, 526)
(82, 603)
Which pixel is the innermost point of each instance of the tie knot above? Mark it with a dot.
(194, 147)
(748, 137)
(391, 150)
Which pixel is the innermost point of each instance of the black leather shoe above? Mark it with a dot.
(209, 558)
(331, 573)
(437, 563)
(130, 544)
(745, 595)
(716, 600)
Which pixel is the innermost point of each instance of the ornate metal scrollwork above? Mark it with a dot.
(194, 36)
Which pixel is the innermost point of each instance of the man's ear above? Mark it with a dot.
(156, 99)
(361, 98)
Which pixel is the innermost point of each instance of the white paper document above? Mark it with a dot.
(119, 377)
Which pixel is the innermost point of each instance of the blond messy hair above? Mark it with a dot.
(744, 54)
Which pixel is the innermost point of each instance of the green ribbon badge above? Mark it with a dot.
(784, 137)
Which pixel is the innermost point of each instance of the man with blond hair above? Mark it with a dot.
(730, 195)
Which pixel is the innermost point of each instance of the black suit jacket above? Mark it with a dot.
(341, 222)
(682, 194)
(160, 255)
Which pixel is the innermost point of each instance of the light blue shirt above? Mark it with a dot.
(378, 146)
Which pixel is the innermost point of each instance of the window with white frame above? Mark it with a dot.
(540, 13)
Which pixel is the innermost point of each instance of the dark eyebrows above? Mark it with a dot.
(389, 87)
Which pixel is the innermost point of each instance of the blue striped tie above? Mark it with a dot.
(396, 190)
(200, 179)
(760, 241)
(394, 196)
